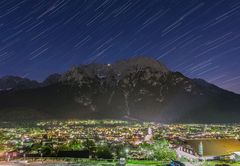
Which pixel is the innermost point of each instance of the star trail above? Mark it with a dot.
(200, 38)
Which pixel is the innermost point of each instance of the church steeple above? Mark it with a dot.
(200, 149)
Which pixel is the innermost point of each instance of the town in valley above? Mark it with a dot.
(114, 139)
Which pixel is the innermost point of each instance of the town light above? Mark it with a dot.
(126, 150)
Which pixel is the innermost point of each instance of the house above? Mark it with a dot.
(2, 154)
(235, 156)
(11, 154)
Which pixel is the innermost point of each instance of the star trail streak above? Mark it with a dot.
(199, 38)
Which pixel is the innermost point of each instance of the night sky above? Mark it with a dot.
(200, 38)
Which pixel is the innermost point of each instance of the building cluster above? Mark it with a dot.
(201, 131)
(56, 133)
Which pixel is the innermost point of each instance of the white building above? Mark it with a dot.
(149, 136)
(235, 156)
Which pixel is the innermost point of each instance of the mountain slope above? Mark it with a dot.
(17, 83)
(139, 88)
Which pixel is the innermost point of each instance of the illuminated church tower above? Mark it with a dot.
(149, 136)
(200, 149)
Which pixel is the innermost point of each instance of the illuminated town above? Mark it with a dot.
(113, 139)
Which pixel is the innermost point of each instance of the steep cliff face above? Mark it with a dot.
(139, 88)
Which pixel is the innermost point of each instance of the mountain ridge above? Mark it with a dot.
(139, 88)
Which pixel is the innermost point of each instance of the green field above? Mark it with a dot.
(213, 163)
(91, 162)
(146, 162)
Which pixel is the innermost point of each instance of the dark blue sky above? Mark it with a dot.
(200, 38)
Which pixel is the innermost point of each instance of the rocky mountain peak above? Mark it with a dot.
(118, 69)
(137, 88)
(140, 62)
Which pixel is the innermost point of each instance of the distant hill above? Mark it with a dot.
(17, 83)
(139, 88)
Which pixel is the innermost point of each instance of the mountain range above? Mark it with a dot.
(138, 88)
